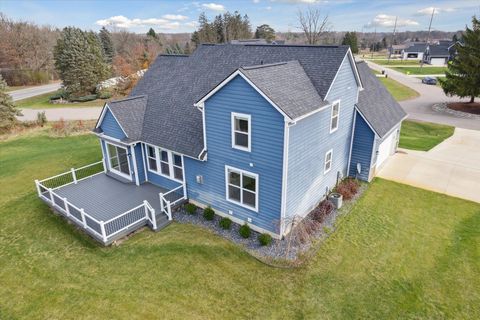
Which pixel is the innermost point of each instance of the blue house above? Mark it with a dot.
(261, 133)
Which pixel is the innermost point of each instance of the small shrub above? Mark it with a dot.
(60, 94)
(105, 95)
(265, 239)
(208, 214)
(41, 118)
(90, 97)
(245, 231)
(322, 210)
(60, 127)
(348, 188)
(191, 208)
(225, 223)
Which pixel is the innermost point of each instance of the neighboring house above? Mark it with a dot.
(261, 133)
(414, 51)
(439, 53)
(397, 49)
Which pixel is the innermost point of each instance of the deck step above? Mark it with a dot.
(162, 223)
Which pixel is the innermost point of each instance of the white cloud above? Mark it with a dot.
(383, 20)
(214, 6)
(174, 17)
(428, 11)
(191, 24)
(126, 23)
(301, 1)
(268, 8)
(256, 1)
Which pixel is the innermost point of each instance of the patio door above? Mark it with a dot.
(118, 160)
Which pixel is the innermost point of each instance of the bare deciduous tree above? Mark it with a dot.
(313, 25)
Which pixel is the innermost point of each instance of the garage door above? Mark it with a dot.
(387, 148)
(437, 61)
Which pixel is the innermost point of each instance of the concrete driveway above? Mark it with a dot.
(452, 167)
(420, 108)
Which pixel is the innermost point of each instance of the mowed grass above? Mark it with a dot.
(421, 71)
(423, 136)
(399, 91)
(42, 102)
(402, 252)
(413, 63)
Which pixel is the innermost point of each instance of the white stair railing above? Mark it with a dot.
(166, 205)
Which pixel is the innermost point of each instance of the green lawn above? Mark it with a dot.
(421, 71)
(423, 135)
(401, 253)
(399, 91)
(392, 62)
(42, 102)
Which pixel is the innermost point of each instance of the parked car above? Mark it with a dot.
(429, 80)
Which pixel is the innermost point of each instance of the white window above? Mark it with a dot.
(242, 187)
(152, 158)
(165, 163)
(118, 160)
(177, 166)
(335, 116)
(328, 161)
(241, 131)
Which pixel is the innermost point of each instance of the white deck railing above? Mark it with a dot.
(102, 229)
(166, 205)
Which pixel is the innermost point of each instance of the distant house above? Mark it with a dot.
(414, 52)
(260, 133)
(439, 53)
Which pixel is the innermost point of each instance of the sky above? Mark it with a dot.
(172, 16)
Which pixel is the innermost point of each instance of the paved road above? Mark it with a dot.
(421, 108)
(34, 91)
(452, 167)
(55, 114)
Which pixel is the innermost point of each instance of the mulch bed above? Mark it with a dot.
(473, 108)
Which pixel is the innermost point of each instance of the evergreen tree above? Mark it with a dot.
(79, 61)
(8, 111)
(151, 33)
(224, 28)
(463, 76)
(107, 45)
(265, 32)
(384, 43)
(350, 39)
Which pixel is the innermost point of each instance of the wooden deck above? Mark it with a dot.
(105, 198)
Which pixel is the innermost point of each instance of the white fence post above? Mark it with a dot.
(67, 210)
(161, 201)
(37, 184)
(104, 235)
(51, 195)
(169, 210)
(104, 165)
(74, 175)
(82, 213)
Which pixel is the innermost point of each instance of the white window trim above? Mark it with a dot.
(257, 190)
(159, 162)
(246, 117)
(337, 116)
(325, 171)
(129, 177)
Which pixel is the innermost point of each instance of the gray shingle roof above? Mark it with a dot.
(439, 50)
(174, 83)
(376, 104)
(130, 113)
(417, 47)
(287, 85)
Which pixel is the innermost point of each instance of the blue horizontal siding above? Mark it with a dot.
(266, 154)
(363, 144)
(111, 127)
(309, 141)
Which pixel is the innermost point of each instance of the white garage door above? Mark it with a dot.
(437, 61)
(387, 148)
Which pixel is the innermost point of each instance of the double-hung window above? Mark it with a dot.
(328, 161)
(335, 116)
(241, 131)
(242, 187)
(164, 162)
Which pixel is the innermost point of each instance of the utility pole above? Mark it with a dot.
(430, 26)
(393, 39)
(374, 36)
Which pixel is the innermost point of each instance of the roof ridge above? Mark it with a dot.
(266, 65)
(128, 98)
